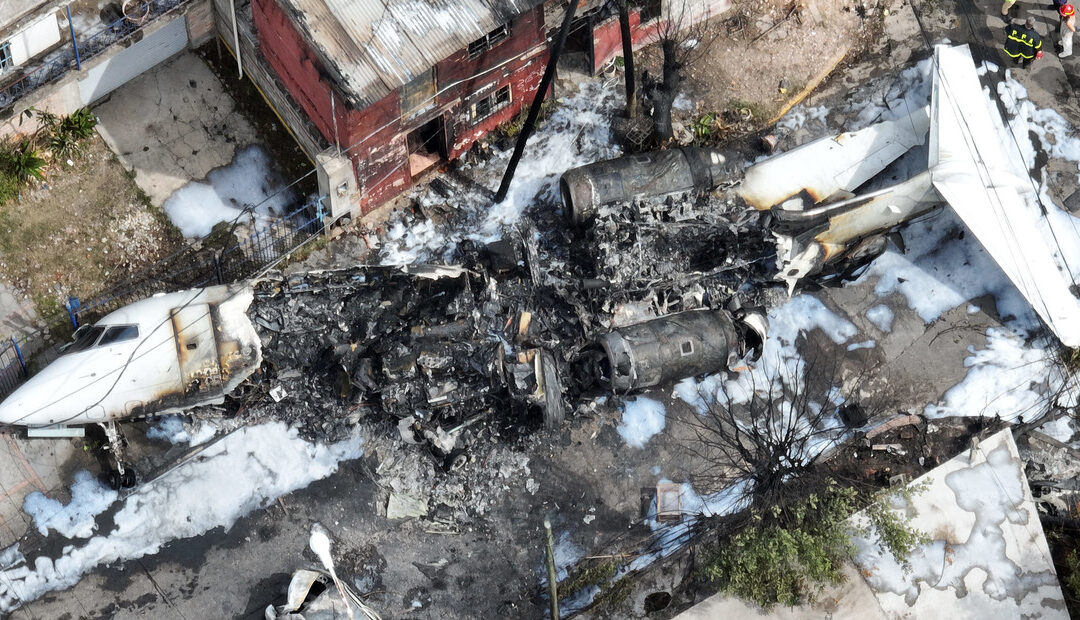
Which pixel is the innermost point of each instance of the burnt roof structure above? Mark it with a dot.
(377, 46)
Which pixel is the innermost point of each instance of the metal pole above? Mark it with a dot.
(553, 586)
(236, 40)
(534, 110)
(18, 354)
(628, 58)
(74, 43)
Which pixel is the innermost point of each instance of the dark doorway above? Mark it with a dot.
(577, 53)
(427, 146)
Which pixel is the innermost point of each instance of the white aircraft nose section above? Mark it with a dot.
(34, 404)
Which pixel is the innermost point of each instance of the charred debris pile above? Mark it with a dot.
(516, 332)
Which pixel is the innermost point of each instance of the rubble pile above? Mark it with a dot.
(437, 348)
(705, 251)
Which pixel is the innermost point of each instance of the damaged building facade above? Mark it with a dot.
(396, 88)
(399, 87)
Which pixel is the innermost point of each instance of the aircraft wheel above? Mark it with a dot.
(120, 481)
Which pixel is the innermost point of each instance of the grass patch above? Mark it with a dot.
(303, 252)
(512, 128)
(746, 110)
(9, 187)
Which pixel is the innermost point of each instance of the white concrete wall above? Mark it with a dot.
(34, 39)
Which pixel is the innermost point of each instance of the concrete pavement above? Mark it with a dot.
(173, 124)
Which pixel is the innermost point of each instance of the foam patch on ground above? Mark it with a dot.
(243, 472)
(89, 498)
(641, 419)
(249, 180)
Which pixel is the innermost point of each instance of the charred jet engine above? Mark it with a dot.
(677, 346)
(656, 173)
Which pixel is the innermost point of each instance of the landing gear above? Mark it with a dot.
(123, 476)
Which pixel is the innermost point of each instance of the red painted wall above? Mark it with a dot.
(295, 64)
(518, 61)
(376, 136)
(607, 37)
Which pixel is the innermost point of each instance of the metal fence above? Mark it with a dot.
(208, 262)
(205, 263)
(60, 61)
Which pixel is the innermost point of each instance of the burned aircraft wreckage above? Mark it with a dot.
(643, 288)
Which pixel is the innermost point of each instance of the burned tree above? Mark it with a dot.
(766, 430)
(684, 36)
(765, 433)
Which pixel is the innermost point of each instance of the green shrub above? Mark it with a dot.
(23, 162)
(1072, 580)
(770, 563)
(63, 135)
(788, 556)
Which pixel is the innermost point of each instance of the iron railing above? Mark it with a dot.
(60, 61)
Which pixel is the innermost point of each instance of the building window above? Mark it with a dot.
(650, 9)
(6, 61)
(491, 104)
(488, 41)
(418, 95)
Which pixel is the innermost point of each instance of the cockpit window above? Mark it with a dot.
(85, 340)
(119, 333)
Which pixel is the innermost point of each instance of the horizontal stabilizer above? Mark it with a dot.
(834, 166)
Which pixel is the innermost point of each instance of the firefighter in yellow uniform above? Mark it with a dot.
(1022, 43)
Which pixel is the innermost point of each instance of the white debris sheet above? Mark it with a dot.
(245, 470)
(987, 557)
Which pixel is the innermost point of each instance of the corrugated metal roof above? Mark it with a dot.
(372, 47)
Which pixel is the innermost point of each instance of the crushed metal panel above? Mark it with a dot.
(987, 183)
(834, 165)
(798, 256)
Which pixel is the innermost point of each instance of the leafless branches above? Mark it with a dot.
(766, 432)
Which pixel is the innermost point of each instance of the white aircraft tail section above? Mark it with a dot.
(980, 172)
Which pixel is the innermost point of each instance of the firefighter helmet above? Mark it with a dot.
(1067, 10)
